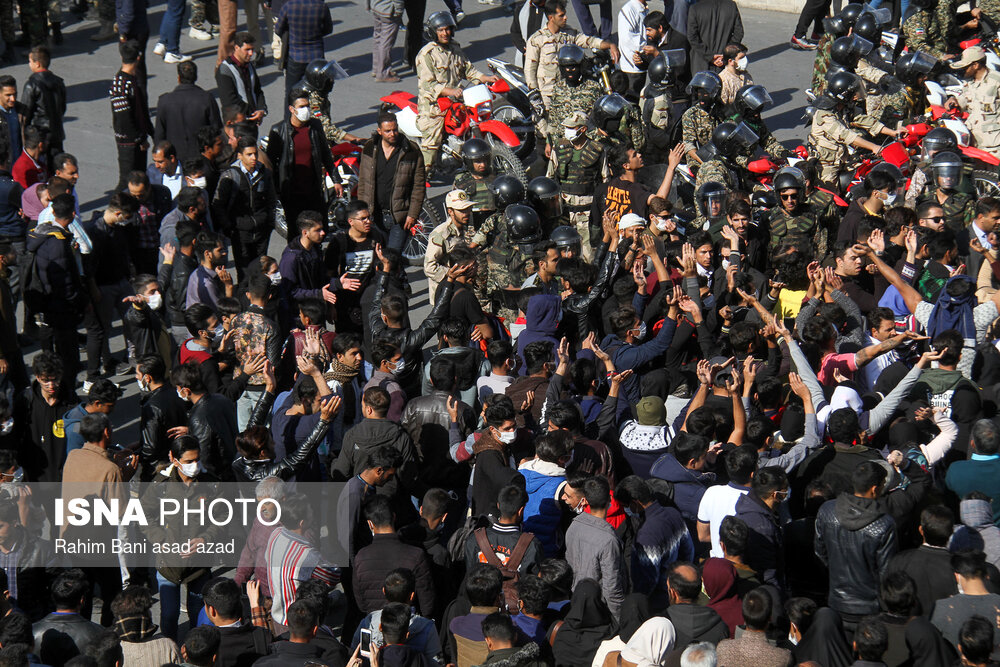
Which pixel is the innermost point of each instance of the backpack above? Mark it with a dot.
(35, 289)
(509, 569)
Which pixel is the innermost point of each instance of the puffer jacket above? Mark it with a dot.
(542, 512)
(977, 532)
(408, 189)
(170, 486)
(856, 540)
(764, 553)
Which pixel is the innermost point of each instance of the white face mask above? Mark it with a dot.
(400, 366)
(571, 133)
(181, 396)
(154, 301)
(725, 263)
(7, 427)
(580, 506)
(275, 278)
(890, 199)
(741, 64)
(642, 331)
(189, 469)
(143, 385)
(302, 113)
(507, 437)
(200, 182)
(663, 225)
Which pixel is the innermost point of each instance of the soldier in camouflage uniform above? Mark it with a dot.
(577, 164)
(698, 122)
(662, 104)
(946, 189)
(319, 81)
(509, 260)
(749, 103)
(475, 180)
(571, 92)
(923, 31)
(445, 237)
(794, 216)
(710, 200)
(441, 67)
(632, 128)
(822, 64)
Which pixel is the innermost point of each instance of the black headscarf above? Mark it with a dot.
(634, 612)
(588, 623)
(824, 641)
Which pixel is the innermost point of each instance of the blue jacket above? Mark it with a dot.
(303, 274)
(12, 223)
(662, 540)
(983, 475)
(71, 426)
(542, 512)
(627, 355)
(689, 485)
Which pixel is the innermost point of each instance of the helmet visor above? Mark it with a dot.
(675, 58)
(883, 14)
(714, 203)
(743, 137)
(922, 63)
(333, 70)
(859, 47)
(756, 98)
(706, 84)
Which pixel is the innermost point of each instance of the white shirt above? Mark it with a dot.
(174, 183)
(982, 236)
(875, 367)
(631, 34)
(718, 503)
(492, 384)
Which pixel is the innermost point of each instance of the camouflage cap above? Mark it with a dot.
(575, 119)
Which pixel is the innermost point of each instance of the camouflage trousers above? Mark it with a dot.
(197, 18)
(578, 209)
(431, 128)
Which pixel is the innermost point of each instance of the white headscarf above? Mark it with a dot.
(651, 643)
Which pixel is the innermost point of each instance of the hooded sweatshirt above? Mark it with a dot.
(542, 512)
(542, 320)
(696, 623)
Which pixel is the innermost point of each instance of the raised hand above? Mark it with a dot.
(270, 382)
(330, 408)
(833, 280)
(305, 365)
(529, 401)
(876, 241)
(798, 386)
(687, 261)
(563, 351)
(452, 406)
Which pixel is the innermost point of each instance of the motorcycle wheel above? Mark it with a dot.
(522, 126)
(416, 246)
(280, 222)
(986, 183)
(505, 161)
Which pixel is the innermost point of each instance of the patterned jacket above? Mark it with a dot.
(255, 335)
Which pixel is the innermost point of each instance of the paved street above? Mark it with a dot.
(88, 69)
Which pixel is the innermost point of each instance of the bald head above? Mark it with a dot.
(684, 583)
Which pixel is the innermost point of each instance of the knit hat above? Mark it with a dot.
(651, 411)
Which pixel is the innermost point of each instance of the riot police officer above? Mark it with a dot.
(663, 103)
(710, 199)
(475, 179)
(698, 121)
(509, 267)
(794, 216)
(606, 120)
(750, 102)
(574, 91)
(568, 241)
(946, 189)
(729, 140)
(576, 166)
(544, 195)
(319, 81)
(936, 141)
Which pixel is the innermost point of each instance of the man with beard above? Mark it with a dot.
(210, 281)
(391, 179)
(794, 217)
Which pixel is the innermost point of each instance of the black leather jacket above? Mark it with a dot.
(59, 637)
(855, 538)
(45, 104)
(159, 410)
(212, 421)
(281, 153)
(173, 279)
(254, 471)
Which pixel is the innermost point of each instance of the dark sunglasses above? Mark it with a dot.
(791, 196)
(936, 218)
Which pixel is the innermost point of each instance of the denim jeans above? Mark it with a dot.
(170, 26)
(170, 603)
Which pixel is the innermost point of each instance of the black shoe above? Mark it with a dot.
(57, 37)
(8, 57)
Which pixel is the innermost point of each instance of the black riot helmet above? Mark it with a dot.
(912, 65)
(788, 178)
(319, 76)
(731, 139)
(868, 26)
(939, 139)
(705, 88)
(476, 150)
(892, 171)
(834, 26)
(663, 69)
(571, 59)
(507, 190)
(848, 51)
(850, 13)
(752, 99)
(567, 239)
(543, 194)
(922, 4)
(947, 168)
(523, 224)
(436, 21)
(712, 199)
(763, 199)
(843, 86)
(607, 114)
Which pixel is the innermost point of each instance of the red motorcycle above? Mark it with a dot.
(984, 165)
(468, 118)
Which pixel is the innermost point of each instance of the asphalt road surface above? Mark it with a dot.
(88, 68)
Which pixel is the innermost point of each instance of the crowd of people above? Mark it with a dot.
(659, 411)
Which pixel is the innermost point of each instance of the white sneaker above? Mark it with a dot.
(159, 49)
(87, 384)
(174, 58)
(199, 34)
(459, 17)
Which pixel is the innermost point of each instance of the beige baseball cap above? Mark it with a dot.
(973, 54)
(575, 119)
(457, 199)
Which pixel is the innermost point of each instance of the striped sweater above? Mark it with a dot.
(291, 560)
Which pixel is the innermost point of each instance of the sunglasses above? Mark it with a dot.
(936, 218)
(789, 197)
